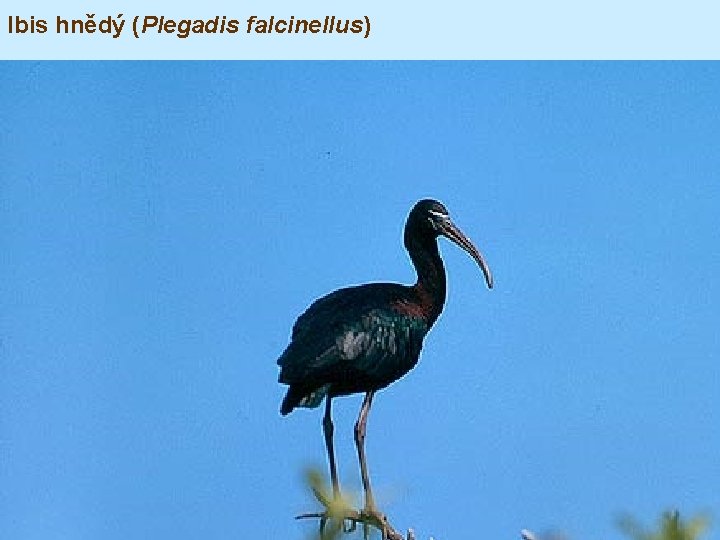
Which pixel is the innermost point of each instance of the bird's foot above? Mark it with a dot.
(345, 520)
(371, 516)
(333, 523)
(339, 516)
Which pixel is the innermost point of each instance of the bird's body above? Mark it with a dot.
(353, 340)
(363, 338)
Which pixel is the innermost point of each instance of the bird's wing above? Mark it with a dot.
(336, 309)
(383, 345)
(350, 331)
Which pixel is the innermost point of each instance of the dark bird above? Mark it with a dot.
(362, 338)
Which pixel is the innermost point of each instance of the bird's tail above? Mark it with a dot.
(302, 397)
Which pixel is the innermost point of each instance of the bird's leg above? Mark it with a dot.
(360, 443)
(328, 431)
(370, 514)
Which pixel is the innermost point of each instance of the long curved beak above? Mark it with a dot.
(449, 230)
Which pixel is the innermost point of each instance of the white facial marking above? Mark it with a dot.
(438, 214)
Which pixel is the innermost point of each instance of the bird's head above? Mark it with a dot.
(429, 219)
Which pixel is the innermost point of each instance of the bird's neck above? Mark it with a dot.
(430, 286)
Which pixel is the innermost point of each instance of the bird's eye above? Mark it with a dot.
(436, 219)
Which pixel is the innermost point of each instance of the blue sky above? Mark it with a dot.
(164, 223)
